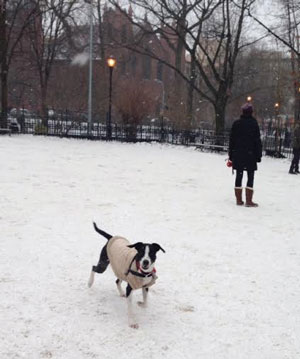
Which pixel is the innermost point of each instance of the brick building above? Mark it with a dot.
(68, 86)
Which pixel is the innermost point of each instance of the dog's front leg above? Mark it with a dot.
(145, 297)
(131, 320)
(118, 282)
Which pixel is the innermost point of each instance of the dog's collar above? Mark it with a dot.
(146, 274)
(140, 273)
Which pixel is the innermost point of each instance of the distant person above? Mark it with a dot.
(245, 150)
(21, 121)
(287, 138)
(294, 169)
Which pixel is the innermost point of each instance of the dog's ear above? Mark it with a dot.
(138, 246)
(157, 247)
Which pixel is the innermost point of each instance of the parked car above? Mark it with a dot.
(14, 112)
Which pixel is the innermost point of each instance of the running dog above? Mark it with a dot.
(132, 263)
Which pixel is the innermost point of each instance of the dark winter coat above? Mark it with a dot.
(296, 138)
(245, 148)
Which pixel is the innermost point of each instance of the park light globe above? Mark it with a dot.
(111, 62)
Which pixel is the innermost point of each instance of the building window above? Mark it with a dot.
(123, 66)
(109, 31)
(133, 65)
(159, 74)
(124, 34)
(147, 67)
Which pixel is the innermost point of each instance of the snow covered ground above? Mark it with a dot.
(229, 283)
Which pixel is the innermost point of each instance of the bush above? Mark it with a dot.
(40, 130)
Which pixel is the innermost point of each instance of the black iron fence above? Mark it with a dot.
(276, 144)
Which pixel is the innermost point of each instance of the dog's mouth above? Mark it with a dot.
(146, 266)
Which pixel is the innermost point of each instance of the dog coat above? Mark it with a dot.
(121, 259)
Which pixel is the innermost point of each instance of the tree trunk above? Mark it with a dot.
(4, 92)
(297, 106)
(44, 105)
(180, 48)
(190, 96)
(101, 33)
(296, 70)
(220, 110)
(3, 64)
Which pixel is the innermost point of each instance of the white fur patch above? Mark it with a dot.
(147, 257)
(91, 279)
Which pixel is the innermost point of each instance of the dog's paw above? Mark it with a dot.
(142, 304)
(134, 326)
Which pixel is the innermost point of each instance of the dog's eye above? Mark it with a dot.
(152, 255)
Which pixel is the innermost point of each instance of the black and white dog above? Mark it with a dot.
(132, 263)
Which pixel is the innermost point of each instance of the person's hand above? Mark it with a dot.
(229, 163)
(258, 159)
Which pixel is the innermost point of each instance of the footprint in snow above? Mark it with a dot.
(186, 308)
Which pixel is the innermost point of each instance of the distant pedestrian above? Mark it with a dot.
(245, 150)
(21, 121)
(294, 169)
(287, 138)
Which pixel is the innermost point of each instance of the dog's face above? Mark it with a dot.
(146, 254)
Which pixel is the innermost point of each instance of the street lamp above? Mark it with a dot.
(111, 63)
(90, 95)
(277, 133)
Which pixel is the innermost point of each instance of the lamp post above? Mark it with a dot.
(277, 147)
(3, 63)
(111, 63)
(90, 95)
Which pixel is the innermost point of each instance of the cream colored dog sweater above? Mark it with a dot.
(121, 257)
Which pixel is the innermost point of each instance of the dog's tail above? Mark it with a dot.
(104, 234)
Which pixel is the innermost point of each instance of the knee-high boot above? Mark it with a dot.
(249, 195)
(238, 195)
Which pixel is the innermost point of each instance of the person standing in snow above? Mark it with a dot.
(294, 169)
(245, 150)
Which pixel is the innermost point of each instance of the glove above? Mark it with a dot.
(258, 160)
(229, 163)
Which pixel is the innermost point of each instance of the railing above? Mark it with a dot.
(67, 126)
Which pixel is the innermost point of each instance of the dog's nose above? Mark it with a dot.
(145, 263)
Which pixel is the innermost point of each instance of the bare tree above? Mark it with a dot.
(101, 30)
(288, 34)
(47, 35)
(15, 18)
(133, 102)
(210, 32)
(292, 9)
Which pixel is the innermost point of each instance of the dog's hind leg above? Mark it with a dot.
(100, 267)
(118, 283)
(91, 279)
(103, 262)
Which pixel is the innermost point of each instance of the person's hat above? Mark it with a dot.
(247, 109)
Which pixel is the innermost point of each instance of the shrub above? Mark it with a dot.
(40, 130)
